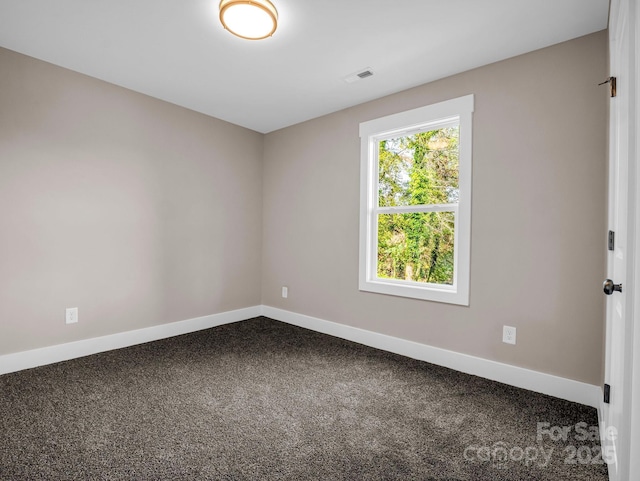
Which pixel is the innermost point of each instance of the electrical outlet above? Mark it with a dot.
(509, 334)
(71, 315)
(285, 291)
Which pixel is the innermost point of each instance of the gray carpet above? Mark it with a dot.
(262, 400)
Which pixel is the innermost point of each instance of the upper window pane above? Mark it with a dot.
(420, 168)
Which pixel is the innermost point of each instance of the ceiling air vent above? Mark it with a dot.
(354, 77)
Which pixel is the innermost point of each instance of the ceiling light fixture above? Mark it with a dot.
(250, 19)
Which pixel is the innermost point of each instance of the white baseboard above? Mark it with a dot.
(64, 352)
(563, 388)
(556, 386)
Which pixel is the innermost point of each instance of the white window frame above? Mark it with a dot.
(406, 123)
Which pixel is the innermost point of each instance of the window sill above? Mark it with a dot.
(414, 290)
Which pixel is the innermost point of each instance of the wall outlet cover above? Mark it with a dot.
(509, 334)
(71, 316)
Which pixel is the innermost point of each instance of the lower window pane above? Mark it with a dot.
(416, 247)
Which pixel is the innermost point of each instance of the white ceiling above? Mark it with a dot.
(176, 50)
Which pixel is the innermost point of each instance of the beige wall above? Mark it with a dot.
(136, 211)
(538, 220)
(140, 212)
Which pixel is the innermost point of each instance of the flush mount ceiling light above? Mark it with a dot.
(250, 19)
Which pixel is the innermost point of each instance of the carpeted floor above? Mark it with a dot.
(262, 400)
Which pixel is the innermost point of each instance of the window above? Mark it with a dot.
(415, 202)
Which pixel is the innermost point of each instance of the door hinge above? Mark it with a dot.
(612, 240)
(612, 85)
(607, 393)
